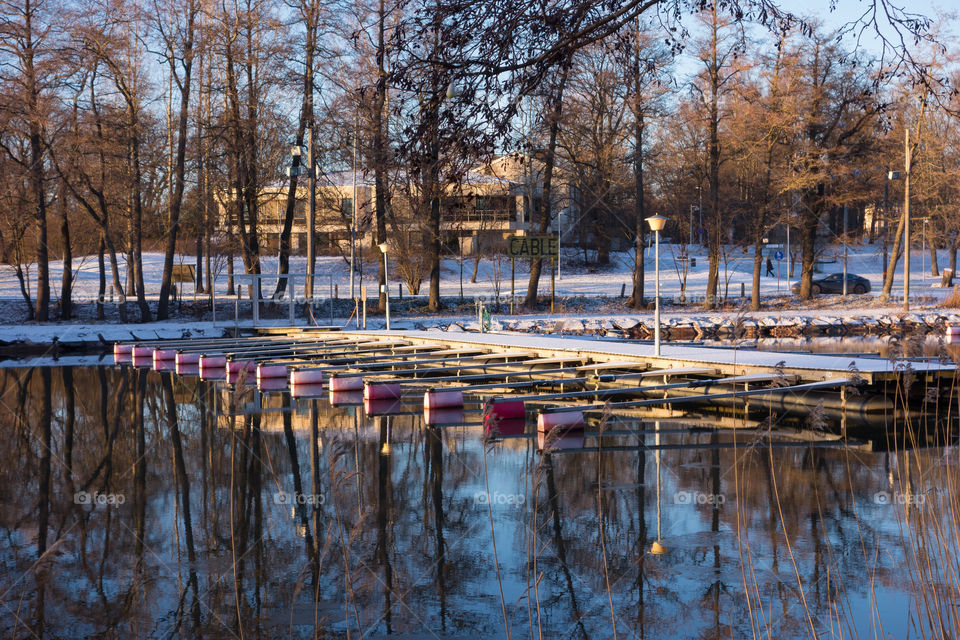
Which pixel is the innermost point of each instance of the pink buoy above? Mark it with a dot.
(122, 349)
(505, 410)
(265, 371)
(142, 352)
(142, 361)
(381, 391)
(306, 376)
(306, 390)
(560, 440)
(236, 366)
(446, 399)
(187, 358)
(212, 373)
(508, 427)
(160, 355)
(346, 383)
(495, 413)
(272, 384)
(381, 406)
(213, 361)
(443, 416)
(546, 422)
(235, 372)
(345, 397)
(187, 369)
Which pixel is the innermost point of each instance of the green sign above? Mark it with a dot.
(533, 246)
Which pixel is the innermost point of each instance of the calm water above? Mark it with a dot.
(140, 504)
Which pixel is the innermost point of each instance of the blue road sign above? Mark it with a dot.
(778, 255)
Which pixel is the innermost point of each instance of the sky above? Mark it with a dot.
(841, 14)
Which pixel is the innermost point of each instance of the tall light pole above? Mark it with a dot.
(656, 223)
(384, 248)
(906, 215)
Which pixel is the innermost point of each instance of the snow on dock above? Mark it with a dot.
(730, 361)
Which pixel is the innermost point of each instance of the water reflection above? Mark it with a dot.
(138, 502)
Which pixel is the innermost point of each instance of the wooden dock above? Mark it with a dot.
(726, 361)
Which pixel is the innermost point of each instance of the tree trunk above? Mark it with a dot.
(952, 248)
(66, 278)
(380, 143)
(306, 119)
(102, 271)
(37, 163)
(757, 270)
(21, 279)
(137, 216)
(546, 206)
(183, 84)
(892, 265)
(713, 170)
(808, 240)
(636, 300)
(476, 258)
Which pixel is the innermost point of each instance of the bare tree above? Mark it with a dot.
(175, 23)
(28, 53)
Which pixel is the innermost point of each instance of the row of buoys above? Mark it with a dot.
(375, 373)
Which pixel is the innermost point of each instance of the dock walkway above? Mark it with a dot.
(732, 361)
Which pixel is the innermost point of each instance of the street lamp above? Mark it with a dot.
(657, 223)
(384, 248)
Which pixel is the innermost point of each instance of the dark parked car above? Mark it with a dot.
(833, 283)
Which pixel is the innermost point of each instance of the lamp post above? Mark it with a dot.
(384, 248)
(656, 223)
(907, 162)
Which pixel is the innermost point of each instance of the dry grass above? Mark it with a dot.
(953, 300)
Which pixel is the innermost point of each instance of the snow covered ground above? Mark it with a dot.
(574, 278)
(587, 297)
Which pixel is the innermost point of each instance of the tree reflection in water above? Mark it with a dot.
(137, 503)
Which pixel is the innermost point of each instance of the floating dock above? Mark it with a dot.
(503, 378)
